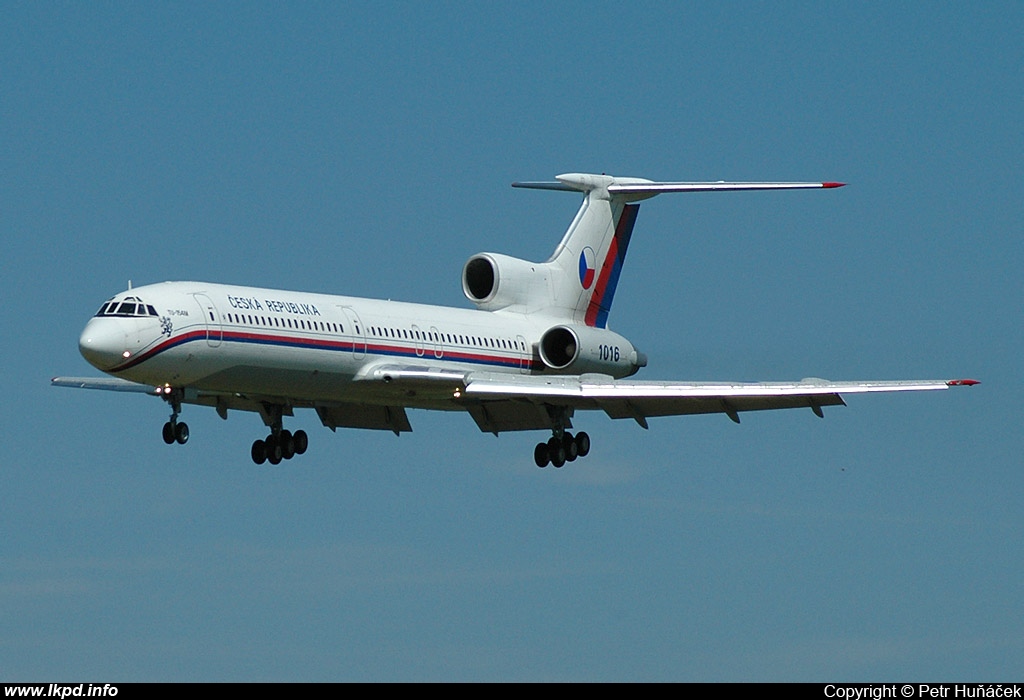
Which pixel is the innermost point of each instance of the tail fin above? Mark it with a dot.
(587, 263)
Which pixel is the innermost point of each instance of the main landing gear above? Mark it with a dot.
(280, 444)
(563, 446)
(559, 450)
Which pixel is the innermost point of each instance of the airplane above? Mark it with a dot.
(536, 349)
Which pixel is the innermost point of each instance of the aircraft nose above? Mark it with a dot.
(103, 343)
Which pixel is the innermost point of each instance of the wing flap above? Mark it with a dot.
(681, 406)
(510, 414)
(367, 416)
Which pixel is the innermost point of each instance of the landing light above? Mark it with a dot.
(126, 354)
(458, 393)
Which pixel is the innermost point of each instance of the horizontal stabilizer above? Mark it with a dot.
(546, 186)
(634, 188)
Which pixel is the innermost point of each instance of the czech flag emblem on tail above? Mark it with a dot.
(587, 269)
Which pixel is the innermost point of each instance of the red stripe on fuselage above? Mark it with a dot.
(427, 351)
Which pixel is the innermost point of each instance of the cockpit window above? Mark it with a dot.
(128, 307)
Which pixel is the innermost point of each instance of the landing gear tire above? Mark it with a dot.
(301, 441)
(259, 452)
(582, 444)
(169, 433)
(556, 452)
(274, 452)
(540, 454)
(287, 443)
(571, 448)
(181, 433)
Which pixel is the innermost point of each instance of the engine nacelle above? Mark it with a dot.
(493, 281)
(581, 349)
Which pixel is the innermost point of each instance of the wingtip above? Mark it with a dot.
(831, 185)
(962, 382)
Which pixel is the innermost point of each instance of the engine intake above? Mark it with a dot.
(479, 279)
(493, 281)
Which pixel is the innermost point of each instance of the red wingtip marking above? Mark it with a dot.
(830, 185)
(962, 382)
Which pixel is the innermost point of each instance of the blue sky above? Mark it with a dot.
(368, 151)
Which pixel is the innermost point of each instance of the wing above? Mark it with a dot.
(502, 402)
(105, 383)
(357, 413)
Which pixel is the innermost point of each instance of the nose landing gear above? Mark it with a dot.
(173, 430)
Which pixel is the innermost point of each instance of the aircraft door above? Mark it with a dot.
(356, 331)
(524, 354)
(418, 336)
(435, 335)
(211, 316)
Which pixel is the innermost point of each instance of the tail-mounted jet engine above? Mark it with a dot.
(582, 349)
(493, 281)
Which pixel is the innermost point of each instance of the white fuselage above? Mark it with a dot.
(229, 338)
